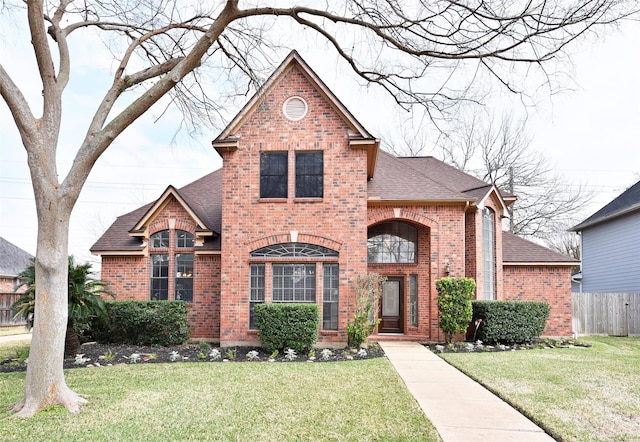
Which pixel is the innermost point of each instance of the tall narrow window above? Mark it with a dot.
(309, 175)
(488, 253)
(330, 295)
(160, 277)
(256, 289)
(160, 239)
(413, 300)
(184, 277)
(294, 282)
(273, 174)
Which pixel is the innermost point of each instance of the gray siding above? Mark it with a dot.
(611, 256)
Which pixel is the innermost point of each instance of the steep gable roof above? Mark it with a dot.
(13, 260)
(359, 137)
(627, 202)
(519, 251)
(160, 203)
(203, 196)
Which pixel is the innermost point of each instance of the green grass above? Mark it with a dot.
(576, 394)
(355, 400)
(13, 330)
(13, 348)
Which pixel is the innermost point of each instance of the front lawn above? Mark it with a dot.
(354, 400)
(13, 330)
(575, 394)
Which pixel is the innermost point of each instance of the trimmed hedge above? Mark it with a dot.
(285, 326)
(454, 304)
(159, 323)
(510, 322)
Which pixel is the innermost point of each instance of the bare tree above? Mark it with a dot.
(158, 47)
(567, 243)
(501, 154)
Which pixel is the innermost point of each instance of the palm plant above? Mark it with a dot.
(84, 299)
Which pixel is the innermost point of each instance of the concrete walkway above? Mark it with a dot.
(460, 408)
(12, 338)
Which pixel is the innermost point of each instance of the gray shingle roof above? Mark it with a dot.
(452, 177)
(13, 260)
(628, 201)
(203, 197)
(395, 179)
(518, 250)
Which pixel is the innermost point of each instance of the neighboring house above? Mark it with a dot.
(610, 246)
(13, 260)
(304, 202)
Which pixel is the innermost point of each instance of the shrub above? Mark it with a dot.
(161, 323)
(510, 322)
(369, 291)
(454, 304)
(288, 326)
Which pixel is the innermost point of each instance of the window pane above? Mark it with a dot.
(330, 296)
(184, 289)
(160, 239)
(488, 253)
(184, 277)
(294, 282)
(184, 239)
(309, 174)
(256, 291)
(159, 277)
(273, 175)
(184, 265)
(392, 242)
(294, 250)
(413, 300)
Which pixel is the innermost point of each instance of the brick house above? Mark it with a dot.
(305, 202)
(13, 261)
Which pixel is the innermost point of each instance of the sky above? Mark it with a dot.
(589, 135)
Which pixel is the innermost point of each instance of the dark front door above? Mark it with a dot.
(391, 306)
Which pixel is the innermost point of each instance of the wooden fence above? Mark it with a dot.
(6, 315)
(613, 314)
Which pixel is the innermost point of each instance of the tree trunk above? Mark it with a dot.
(72, 341)
(45, 383)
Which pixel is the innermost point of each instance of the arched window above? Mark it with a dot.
(296, 279)
(184, 239)
(294, 250)
(488, 253)
(160, 239)
(392, 242)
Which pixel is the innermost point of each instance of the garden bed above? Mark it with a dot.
(479, 346)
(99, 355)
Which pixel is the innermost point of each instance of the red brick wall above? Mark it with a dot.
(471, 245)
(440, 241)
(249, 223)
(7, 285)
(129, 276)
(546, 284)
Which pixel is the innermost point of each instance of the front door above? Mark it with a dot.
(391, 306)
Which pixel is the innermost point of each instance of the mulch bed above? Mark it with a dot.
(479, 346)
(100, 355)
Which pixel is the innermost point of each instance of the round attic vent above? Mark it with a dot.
(295, 108)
